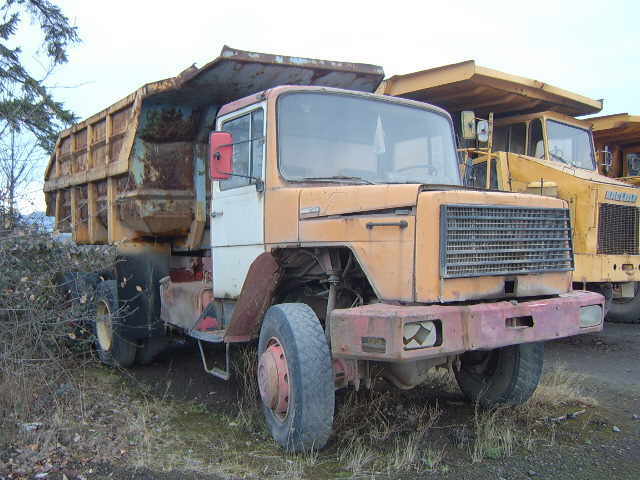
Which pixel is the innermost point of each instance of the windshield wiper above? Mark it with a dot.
(559, 158)
(337, 177)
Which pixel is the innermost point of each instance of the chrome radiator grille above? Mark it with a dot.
(477, 240)
(618, 229)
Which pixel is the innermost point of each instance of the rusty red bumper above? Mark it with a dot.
(377, 332)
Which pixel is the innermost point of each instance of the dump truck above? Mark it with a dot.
(533, 144)
(617, 139)
(276, 200)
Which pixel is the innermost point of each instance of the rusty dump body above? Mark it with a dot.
(137, 169)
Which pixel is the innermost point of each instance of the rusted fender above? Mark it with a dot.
(255, 297)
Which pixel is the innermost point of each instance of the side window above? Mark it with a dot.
(248, 148)
(517, 136)
(510, 138)
(536, 140)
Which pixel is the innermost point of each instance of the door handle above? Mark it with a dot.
(402, 224)
(216, 214)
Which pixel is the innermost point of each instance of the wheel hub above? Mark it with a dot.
(104, 329)
(273, 378)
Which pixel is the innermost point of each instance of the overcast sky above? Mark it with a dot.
(587, 47)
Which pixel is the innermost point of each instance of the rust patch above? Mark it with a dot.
(101, 193)
(83, 206)
(168, 166)
(169, 125)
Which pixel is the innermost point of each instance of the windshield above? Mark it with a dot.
(571, 145)
(344, 137)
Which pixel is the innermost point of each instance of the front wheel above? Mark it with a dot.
(295, 377)
(625, 310)
(504, 376)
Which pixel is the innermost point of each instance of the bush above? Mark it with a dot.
(37, 319)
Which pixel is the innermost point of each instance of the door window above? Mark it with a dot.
(517, 135)
(536, 140)
(248, 149)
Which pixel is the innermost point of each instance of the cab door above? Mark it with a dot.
(237, 206)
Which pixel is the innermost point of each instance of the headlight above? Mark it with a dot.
(590, 316)
(419, 335)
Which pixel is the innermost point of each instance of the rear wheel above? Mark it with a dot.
(504, 376)
(625, 310)
(112, 346)
(295, 377)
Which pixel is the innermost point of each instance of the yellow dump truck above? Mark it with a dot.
(275, 199)
(536, 146)
(617, 139)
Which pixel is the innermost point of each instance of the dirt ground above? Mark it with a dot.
(208, 426)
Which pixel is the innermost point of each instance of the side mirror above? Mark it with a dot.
(468, 123)
(221, 155)
(482, 131)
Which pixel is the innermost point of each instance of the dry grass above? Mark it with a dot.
(356, 457)
(495, 434)
(559, 387)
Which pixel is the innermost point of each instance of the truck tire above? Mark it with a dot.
(625, 310)
(504, 376)
(113, 349)
(295, 376)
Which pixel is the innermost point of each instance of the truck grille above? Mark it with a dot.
(479, 240)
(618, 229)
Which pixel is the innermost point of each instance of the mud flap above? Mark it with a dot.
(139, 268)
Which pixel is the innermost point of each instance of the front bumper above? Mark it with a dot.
(376, 332)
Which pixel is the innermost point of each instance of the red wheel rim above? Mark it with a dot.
(273, 379)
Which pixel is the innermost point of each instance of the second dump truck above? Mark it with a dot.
(276, 200)
(617, 139)
(537, 147)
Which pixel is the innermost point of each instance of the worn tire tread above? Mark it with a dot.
(314, 372)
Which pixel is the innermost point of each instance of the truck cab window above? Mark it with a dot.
(500, 138)
(248, 148)
(517, 138)
(571, 145)
(510, 138)
(370, 140)
(536, 140)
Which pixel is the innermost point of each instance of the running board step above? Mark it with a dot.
(223, 373)
(211, 336)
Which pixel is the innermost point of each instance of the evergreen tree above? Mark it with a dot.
(26, 104)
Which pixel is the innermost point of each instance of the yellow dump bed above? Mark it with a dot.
(467, 86)
(137, 168)
(620, 129)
